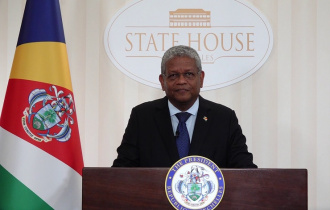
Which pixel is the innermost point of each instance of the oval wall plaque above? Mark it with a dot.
(232, 38)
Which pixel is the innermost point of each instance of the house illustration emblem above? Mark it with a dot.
(190, 18)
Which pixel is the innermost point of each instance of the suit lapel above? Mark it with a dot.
(201, 128)
(164, 124)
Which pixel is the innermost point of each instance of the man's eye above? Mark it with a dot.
(189, 75)
(172, 76)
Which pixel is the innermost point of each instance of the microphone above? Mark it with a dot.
(177, 133)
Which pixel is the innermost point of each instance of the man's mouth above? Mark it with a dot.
(182, 90)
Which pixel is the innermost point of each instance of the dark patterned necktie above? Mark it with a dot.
(182, 135)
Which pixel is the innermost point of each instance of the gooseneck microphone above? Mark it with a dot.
(177, 133)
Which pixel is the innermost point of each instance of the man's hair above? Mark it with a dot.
(180, 51)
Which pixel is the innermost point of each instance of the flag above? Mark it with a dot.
(40, 153)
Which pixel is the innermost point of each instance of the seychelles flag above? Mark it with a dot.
(40, 153)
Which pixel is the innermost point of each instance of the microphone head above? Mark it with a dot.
(177, 133)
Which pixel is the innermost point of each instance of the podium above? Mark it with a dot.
(144, 188)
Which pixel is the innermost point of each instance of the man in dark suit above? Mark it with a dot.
(152, 137)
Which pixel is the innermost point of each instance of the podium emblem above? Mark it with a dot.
(194, 182)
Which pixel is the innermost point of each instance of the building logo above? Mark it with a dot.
(232, 38)
(194, 182)
(190, 18)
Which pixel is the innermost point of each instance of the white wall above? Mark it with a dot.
(284, 108)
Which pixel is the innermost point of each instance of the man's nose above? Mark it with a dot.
(182, 78)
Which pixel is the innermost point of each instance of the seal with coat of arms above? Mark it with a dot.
(194, 182)
(49, 116)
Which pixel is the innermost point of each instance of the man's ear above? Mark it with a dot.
(162, 82)
(201, 78)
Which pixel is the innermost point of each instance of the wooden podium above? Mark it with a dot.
(144, 188)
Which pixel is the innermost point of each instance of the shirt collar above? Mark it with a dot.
(192, 110)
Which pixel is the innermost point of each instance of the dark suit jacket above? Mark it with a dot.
(149, 140)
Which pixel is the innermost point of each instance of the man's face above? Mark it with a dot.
(182, 82)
